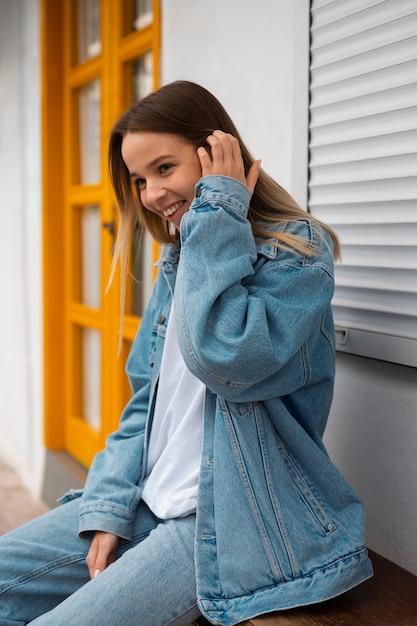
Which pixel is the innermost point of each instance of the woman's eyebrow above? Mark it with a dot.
(154, 162)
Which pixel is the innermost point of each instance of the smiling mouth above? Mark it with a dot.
(173, 209)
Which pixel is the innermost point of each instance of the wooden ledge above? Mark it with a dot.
(386, 599)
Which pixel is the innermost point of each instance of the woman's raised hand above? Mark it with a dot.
(226, 159)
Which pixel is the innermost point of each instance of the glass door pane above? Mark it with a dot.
(90, 227)
(137, 15)
(87, 376)
(88, 23)
(142, 14)
(142, 75)
(141, 283)
(89, 132)
(91, 377)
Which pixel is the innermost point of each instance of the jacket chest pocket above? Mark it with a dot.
(157, 339)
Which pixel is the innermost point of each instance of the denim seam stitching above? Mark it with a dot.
(43, 570)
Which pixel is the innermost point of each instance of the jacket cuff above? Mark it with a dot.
(222, 188)
(107, 518)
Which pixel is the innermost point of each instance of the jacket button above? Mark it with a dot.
(198, 193)
(161, 319)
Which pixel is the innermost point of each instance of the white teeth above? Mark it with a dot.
(172, 209)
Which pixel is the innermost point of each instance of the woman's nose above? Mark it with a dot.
(155, 191)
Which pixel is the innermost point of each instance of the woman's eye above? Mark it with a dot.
(165, 167)
(140, 183)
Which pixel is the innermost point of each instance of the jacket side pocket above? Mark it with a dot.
(307, 495)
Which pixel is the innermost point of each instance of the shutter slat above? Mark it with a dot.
(383, 90)
(367, 212)
(363, 168)
(342, 18)
(403, 165)
(383, 58)
(403, 257)
(387, 100)
(378, 234)
(392, 279)
(373, 39)
(378, 322)
(369, 147)
(375, 300)
(369, 191)
(327, 11)
(376, 125)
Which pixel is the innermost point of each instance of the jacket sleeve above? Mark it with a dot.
(241, 321)
(112, 492)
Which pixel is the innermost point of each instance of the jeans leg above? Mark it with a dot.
(151, 584)
(42, 566)
(43, 562)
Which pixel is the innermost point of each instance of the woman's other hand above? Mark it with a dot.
(226, 160)
(102, 552)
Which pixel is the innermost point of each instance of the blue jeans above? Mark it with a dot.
(44, 578)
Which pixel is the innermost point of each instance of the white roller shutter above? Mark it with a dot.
(363, 167)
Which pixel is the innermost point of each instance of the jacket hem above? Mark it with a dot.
(324, 584)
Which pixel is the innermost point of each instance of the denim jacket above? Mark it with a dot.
(277, 526)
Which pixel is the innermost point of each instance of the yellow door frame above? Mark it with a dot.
(58, 150)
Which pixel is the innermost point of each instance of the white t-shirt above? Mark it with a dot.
(174, 453)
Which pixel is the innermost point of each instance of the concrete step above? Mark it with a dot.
(18, 505)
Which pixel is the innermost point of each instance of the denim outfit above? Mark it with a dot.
(276, 525)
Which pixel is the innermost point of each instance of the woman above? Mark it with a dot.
(216, 494)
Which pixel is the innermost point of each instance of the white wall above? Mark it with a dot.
(372, 437)
(254, 57)
(20, 250)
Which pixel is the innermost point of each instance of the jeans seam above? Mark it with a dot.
(42, 570)
(181, 614)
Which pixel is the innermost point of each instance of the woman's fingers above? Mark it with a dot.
(223, 157)
(253, 175)
(102, 552)
(222, 147)
(205, 161)
(226, 154)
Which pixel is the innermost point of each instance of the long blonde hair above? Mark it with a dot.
(186, 109)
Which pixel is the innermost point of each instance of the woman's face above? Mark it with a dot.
(165, 169)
